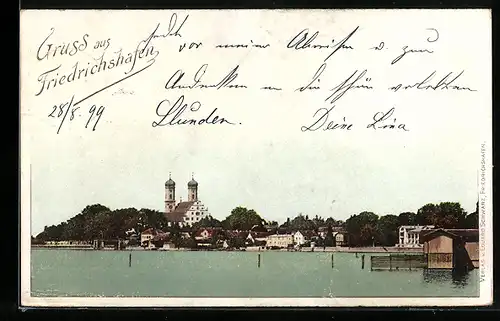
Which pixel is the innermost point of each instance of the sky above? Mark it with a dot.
(266, 163)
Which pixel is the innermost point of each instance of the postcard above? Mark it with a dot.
(256, 158)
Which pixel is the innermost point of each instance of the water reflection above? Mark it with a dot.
(458, 278)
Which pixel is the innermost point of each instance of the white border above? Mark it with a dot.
(486, 268)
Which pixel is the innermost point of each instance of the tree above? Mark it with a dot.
(442, 215)
(407, 218)
(301, 222)
(362, 228)
(387, 229)
(208, 221)
(98, 221)
(242, 218)
(329, 239)
(318, 222)
(472, 220)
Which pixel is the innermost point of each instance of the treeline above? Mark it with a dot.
(367, 228)
(99, 222)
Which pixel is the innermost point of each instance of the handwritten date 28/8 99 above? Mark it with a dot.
(67, 112)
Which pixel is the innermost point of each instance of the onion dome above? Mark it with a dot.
(170, 182)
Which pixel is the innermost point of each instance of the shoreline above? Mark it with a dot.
(376, 249)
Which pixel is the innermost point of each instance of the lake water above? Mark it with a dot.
(232, 274)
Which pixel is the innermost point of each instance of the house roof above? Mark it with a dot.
(177, 215)
(152, 231)
(307, 233)
(210, 231)
(183, 207)
(466, 235)
(259, 234)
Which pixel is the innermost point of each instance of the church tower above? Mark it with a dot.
(169, 195)
(192, 190)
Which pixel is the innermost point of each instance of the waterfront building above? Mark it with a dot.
(451, 248)
(257, 238)
(323, 230)
(409, 235)
(206, 233)
(147, 237)
(184, 213)
(340, 238)
(279, 240)
(299, 238)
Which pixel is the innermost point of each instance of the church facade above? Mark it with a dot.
(187, 212)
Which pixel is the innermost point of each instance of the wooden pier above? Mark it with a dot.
(395, 262)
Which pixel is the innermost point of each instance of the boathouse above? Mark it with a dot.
(451, 248)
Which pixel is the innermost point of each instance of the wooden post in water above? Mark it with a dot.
(356, 254)
(362, 261)
(258, 260)
(410, 261)
(130, 260)
(332, 260)
(390, 262)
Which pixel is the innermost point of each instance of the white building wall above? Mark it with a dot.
(279, 240)
(196, 212)
(409, 236)
(298, 238)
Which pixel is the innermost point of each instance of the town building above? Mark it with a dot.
(340, 238)
(257, 238)
(451, 248)
(207, 233)
(279, 240)
(299, 238)
(409, 235)
(323, 230)
(184, 213)
(148, 236)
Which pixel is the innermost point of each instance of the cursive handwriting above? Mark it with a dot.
(407, 51)
(271, 88)
(54, 77)
(322, 121)
(170, 29)
(302, 40)
(384, 121)
(70, 49)
(348, 84)
(225, 82)
(251, 45)
(445, 83)
(176, 111)
(315, 79)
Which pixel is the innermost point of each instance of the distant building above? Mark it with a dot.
(340, 238)
(409, 235)
(184, 213)
(451, 248)
(304, 236)
(279, 240)
(147, 237)
(206, 233)
(299, 238)
(323, 230)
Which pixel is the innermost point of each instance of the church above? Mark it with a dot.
(184, 213)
